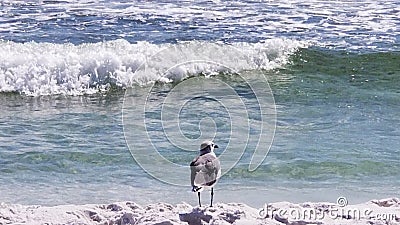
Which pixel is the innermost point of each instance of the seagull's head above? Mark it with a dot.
(208, 146)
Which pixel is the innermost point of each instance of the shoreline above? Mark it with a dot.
(384, 211)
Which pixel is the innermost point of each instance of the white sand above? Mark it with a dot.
(385, 211)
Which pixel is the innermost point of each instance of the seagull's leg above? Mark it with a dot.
(198, 194)
(212, 196)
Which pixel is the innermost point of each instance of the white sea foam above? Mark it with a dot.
(336, 24)
(46, 68)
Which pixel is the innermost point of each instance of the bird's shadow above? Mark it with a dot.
(195, 217)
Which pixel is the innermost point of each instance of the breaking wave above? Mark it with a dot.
(49, 69)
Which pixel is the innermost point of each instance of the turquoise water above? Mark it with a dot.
(68, 134)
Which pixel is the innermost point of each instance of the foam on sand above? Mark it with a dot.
(385, 211)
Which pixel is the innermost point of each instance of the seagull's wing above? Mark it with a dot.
(195, 167)
(205, 170)
(213, 170)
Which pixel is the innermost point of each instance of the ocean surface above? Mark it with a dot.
(106, 100)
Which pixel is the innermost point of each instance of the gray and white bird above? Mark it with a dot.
(205, 170)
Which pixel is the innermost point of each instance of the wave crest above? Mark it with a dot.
(49, 69)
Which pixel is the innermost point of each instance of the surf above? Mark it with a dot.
(36, 69)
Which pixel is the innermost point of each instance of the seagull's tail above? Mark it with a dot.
(197, 189)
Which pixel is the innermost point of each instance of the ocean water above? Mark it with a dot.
(105, 100)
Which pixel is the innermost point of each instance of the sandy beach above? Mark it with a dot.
(384, 211)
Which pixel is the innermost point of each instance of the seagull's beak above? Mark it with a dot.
(216, 146)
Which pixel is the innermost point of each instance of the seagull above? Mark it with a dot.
(205, 170)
